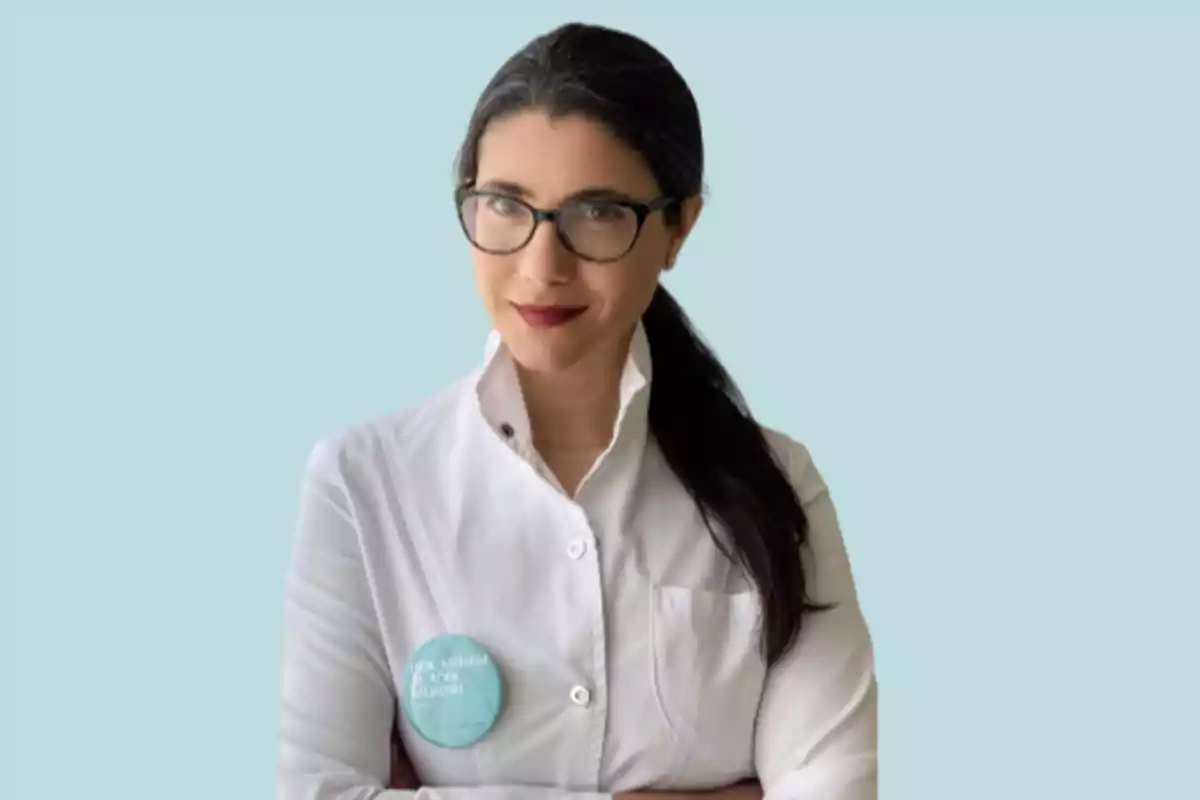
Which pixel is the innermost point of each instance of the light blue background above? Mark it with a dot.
(955, 255)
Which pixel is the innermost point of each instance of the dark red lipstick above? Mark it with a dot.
(548, 316)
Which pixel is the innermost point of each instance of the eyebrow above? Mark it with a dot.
(586, 193)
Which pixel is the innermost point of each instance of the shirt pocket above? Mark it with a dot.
(708, 673)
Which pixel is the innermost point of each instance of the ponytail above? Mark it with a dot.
(717, 450)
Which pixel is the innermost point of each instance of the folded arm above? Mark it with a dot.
(817, 727)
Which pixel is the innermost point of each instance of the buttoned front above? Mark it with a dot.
(628, 644)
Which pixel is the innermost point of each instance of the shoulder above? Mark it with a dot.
(825, 551)
(358, 451)
(796, 459)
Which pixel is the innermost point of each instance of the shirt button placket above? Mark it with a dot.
(589, 699)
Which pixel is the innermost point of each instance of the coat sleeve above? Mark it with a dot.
(338, 701)
(817, 727)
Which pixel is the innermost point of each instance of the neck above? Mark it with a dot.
(576, 407)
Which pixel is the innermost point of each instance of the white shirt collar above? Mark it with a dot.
(499, 391)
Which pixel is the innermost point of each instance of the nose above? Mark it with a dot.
(544, 260)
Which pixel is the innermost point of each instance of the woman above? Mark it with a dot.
(584, 570)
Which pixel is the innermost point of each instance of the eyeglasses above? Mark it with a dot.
(596, 229)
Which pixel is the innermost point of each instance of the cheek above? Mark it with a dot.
(655, 241)
(491, 275)
(625, 287)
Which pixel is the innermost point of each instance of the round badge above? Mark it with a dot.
(452, 691)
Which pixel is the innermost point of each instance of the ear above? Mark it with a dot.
(689, 212)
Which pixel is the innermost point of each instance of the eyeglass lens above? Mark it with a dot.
(595, 229)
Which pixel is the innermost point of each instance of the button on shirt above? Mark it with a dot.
(628, 643)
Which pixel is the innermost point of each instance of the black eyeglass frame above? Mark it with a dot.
(642, 212)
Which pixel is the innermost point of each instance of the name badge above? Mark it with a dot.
(452, 691)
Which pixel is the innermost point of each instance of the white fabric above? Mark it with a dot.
(629, 644)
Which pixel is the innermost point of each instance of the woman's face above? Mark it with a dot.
(548, 164)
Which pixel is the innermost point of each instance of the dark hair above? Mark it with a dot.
(698, 417)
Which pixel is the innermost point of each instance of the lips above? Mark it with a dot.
(548, 316)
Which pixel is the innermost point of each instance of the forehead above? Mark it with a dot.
(554, 158)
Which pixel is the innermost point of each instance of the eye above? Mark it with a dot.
(504, 206)
(594, 211)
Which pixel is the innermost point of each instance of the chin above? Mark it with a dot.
(538, 352)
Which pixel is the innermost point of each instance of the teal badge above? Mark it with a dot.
(452, 691)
